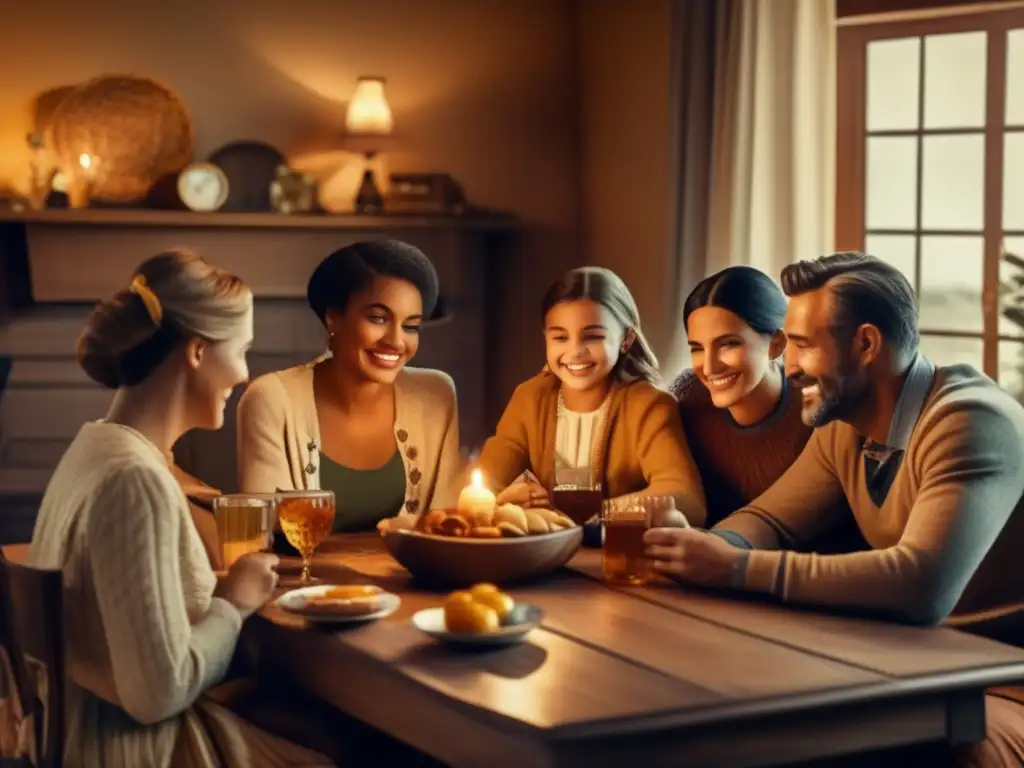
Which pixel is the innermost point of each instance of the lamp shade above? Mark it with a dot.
(368, 110)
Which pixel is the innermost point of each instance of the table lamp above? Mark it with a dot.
(368, 125)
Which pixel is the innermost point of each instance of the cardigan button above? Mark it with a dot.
(311, 446)
(310, 468)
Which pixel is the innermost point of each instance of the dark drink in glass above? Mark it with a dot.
(579, 504)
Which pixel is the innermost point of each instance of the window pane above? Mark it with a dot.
(954, 80)
(1013, 180)
(892, 183)
(1011, 293)
(898, 250)
(943, 350)
(892, 87)
(952, 271)
(953, 182)
(1011, 368)
(1015, 77)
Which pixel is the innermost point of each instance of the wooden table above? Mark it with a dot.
(645, 675)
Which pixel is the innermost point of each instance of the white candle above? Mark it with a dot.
(476, 501)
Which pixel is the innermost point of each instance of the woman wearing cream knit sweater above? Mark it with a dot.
(149, 628)
(383, 437)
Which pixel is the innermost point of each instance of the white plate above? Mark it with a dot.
(290, 601)
(523, 620)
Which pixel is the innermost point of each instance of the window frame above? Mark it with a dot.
(851, 149)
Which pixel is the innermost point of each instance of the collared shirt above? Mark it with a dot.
(882, 461)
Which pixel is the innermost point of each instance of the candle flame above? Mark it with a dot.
(85, 160)
(477, 479)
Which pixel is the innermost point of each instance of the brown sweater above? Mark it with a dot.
(946, 540)
(736, 463)
(642, 446)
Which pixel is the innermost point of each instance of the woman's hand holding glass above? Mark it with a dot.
(250, 582)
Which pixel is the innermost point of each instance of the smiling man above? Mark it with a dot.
(929, 460)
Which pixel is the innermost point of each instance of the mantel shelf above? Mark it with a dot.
(134, 217)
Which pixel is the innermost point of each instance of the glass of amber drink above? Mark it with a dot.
(306, 518)
(245, 523)
(626, 520)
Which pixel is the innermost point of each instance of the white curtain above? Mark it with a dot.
(759, 105)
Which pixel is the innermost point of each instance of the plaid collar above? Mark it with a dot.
(908, 410)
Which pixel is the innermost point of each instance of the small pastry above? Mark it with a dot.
(349, 591)
(513, 515)
(356, 606)
(486, 532)
(510, 531)
(454, 525)
(555, 518)
(431, 522)
(535, 523)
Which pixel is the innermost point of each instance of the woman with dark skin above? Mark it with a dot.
(383, 437)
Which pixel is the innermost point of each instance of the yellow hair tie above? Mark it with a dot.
(144, 292)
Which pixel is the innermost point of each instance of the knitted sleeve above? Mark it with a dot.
(161, 662)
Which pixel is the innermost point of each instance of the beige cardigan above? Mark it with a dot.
(279, 435)
(147, 635)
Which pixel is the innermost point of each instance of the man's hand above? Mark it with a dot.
(692, 555)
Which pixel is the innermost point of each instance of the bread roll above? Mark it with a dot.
(536, 523)
(481, 518)
(431, 522)
(510, 531)
(454, 525)
(555, 518)
(511, 515)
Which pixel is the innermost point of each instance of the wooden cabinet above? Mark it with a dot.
(76, 257)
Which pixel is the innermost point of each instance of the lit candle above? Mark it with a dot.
(476, 501)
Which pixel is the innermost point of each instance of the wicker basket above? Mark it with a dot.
(134, 130)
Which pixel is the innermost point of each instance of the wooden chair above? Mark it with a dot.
(32, 634)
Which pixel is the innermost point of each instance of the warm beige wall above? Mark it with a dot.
(483, 89)
(626, 123)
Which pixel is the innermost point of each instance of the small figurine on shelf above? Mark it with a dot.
(293, 192)
(39, 180)
(369, 199)
(58, 196)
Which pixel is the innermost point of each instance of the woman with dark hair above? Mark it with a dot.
(741, 416)
(598, 405)
(357, 421)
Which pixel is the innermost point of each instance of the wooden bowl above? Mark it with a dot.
(453, 561)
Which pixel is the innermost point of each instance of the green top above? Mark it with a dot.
(363, 497)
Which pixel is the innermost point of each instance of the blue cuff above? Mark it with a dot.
(733, 538)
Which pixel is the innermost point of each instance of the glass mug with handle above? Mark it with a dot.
(626, 520)
(245, 523)
(306, 519)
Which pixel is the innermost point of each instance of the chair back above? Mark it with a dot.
(31, 664)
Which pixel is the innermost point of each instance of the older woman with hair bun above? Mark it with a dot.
(384, 437)
(153, 628)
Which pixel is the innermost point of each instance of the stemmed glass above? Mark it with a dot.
(306, 518)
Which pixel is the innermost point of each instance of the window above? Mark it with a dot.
(931, 175)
